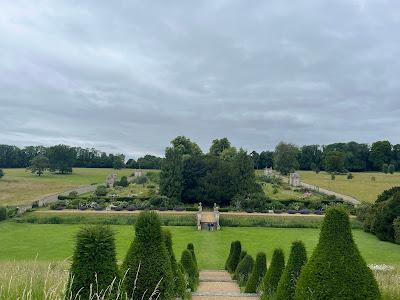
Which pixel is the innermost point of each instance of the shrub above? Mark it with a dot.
(396, 228)
(385, 168)
(179, 281)
(190, 247)
(123, 182)
(387, 194)
(3, 213)
(101, 190)
(391, 169)
(383, 215)
(189, 268)
(1, 173)
(147, 263)
(94, 264)
(140, 180)
(350, 176)
(287, 284)
(158, 201)
(242, 255)
(244, 269)
(273, 275)
(72, 194)
(336, 269)
(257, 273)
(234, 257)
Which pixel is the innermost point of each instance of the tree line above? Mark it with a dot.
(63, 158)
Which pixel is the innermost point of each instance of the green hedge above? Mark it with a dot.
(190, 269)
(336, 269)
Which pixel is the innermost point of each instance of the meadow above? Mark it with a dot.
(50, 243)
(361, 187)
(19, 186)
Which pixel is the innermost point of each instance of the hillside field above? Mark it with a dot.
(361, 187)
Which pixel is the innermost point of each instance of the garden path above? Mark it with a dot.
(218, 285)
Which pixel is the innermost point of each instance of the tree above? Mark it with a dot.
(266, 159)
(39, 164)
(257, 273)
(287, 284)
(147, 264)
(234, 256)
(94, 270)
(380, 154)
(1, 173)
(391, 169)
(385, 168)
(273, 275)
(244, 178)
(100, 191)
(124, 181)
(118, 161)
(186, 147)
(228, 154)
(61, 158)
(336, 269)
(310, 157)
(244, 269)
(219, 145)
(334, 161)
(190, 269)
(171, 180)
(383, 215)
(286, 158)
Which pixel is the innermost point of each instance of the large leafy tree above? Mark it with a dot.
(171, 179)
(286, 158)
(334, 161)
(266, 159)
(310, 157)
(39, 164)
(61, 158)
(219, 145)
(380, 154)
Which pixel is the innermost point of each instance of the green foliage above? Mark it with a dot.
(171, 174)
(158, 201)
(334, 161)
(257, 273)
(118, 161)
(385, 168)
(350, 176)
(286, 158)
(218, 146)
(190, 269)
(39, 164)
(123, 182)
(287, 284)
(190, 247)
(244, 269)
(234, 257)
(101, 190)
(383, 215)
(380, 154)
(94, 264)
(61, 158)
(273, 275)
(396, 228)
(3, 213)
(141, 179)
(391, 168)
(336, 269)
(147, 263)
(1, 173)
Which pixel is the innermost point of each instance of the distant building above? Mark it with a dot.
(111, 179)
(294, 179)
(268, 171)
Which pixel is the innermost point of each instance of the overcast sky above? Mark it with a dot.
(129, 76)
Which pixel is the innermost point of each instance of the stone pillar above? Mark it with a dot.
(199, 216)
(216, 216)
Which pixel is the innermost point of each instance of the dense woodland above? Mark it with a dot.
(352, 157)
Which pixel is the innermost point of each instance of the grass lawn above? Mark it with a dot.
(19, 186)
(360, 187)
(27, 242)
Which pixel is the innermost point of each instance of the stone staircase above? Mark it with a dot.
(218, 285)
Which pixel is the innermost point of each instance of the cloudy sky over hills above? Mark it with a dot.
(128, 76)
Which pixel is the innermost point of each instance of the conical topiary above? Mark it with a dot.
(273, 275)
(147, 264)
(336, 269)
(242, 255)
(287, 284)
(190, 269)
(257, 273)
(190, 247)
(230, 255)
(244, 269)
(179, 288)
(234, 258)
(94, 271)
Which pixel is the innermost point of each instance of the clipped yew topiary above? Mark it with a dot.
(148, 264)
(190, 247)
(273, 275)
(287, 284)
(336, 269)
(244, 269)
(234, 256)
(257, 273)
(190, 269)
(242, 255)
(94, 271)
(179, 281)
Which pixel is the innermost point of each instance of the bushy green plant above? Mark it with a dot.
(336, 269)
(179, 283)
(385, 168)
(190, 247)
(147, 263)
(257, 273)
(391, 169)
(287, 284)
(158, 201)
(123, 182)
(234, 257)
(140, 180)
(190, 269)
(242, 255)
(1, 173)
(273, 275)
(244, 269)
(94, 264)
(396, 227)
(101, 190)
(3, 213)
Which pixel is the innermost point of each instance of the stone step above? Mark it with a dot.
(220, 275)
(218, 287)
(221, 296)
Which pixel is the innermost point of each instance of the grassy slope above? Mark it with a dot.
(55, 242)
(360, 187)
(19, 186)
